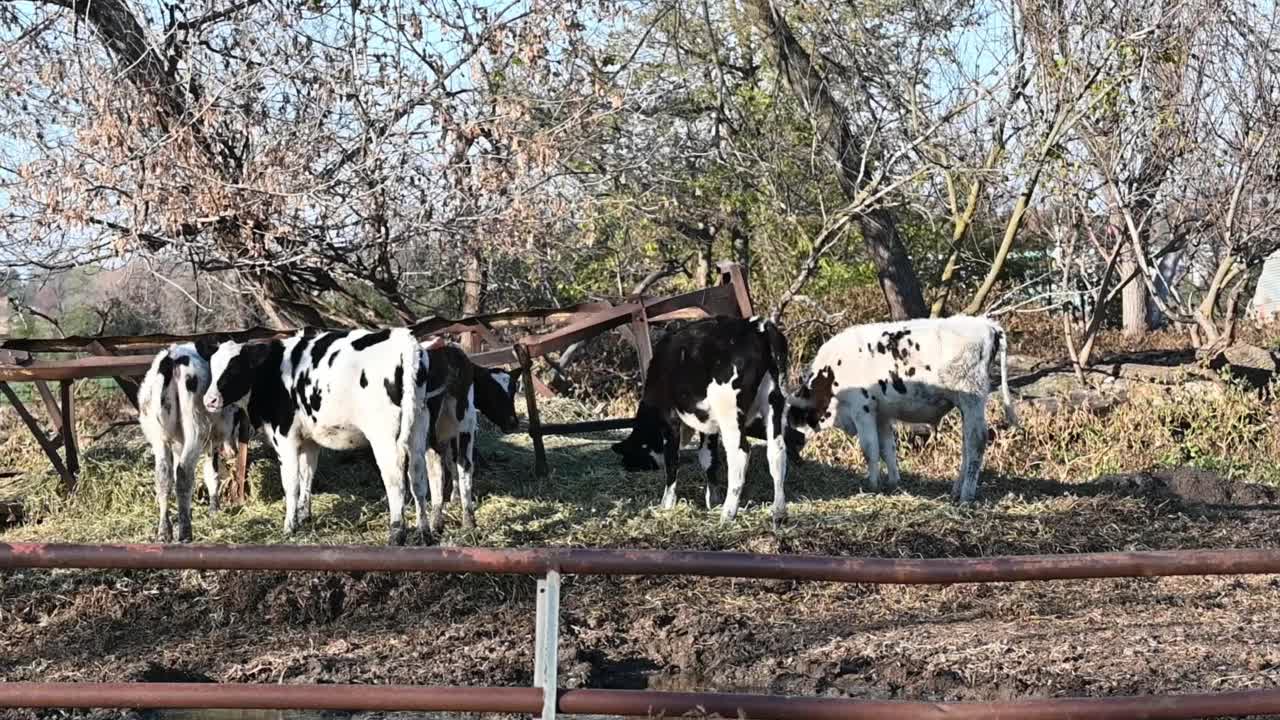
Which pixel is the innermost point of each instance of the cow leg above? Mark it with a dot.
(888, 451)
(974, 421)
(776, 451)
(455, 492)
(437, 461)
(670, 461)
(463, 456)
(211, 471)
(869, 439)
(709, 459)
(735, 452)
(308, 458)
(393, 469)
(289, 460)
(164, 485)
(184, 474)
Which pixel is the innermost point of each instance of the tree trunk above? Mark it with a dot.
(740, 236)
(895, 272)
(473, 281)
(1133, 300)
(706, 264)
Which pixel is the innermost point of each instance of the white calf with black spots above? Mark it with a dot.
(180, 430)
(341, 390)
(869, 376)
(715, 376)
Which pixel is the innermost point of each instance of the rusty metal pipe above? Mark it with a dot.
(617, 702)
(765, 707)
(385, 698)
(362, 558)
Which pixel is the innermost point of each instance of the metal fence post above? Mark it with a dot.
(546, 641)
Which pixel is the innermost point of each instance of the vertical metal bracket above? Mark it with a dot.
(546, 642)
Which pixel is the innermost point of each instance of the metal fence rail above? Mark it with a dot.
(390, 698)
(580, 561)
(551, 562)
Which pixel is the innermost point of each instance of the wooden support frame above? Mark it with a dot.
(730, 297)
(47, 444)
(63, 449)
(127, 385)
(578, 322)
(644, 345)
(535, 420)
(70, 447)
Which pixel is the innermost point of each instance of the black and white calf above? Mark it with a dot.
(180, 430)
(466, 389)
(716, 376)
(341, 390)
(916, 371)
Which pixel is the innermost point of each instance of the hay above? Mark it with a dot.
(1038, 494)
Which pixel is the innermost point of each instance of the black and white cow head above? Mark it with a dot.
(234, 368)
(495, 394)
(810, 407)
(643, 449)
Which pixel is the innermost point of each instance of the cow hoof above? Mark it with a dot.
(669, 497)
(779, 519)
(164, 534)
(468, 521)
(713, 499)
(396, 536)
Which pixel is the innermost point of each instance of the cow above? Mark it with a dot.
(868, 376)
(179, 430)
(467, 388)
(342, 390)
(715, 376)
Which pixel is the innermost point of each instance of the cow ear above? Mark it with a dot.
(823, 388)
(256, 353)
(206, 347)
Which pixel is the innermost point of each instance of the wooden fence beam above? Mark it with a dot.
(644, 346)
(535, 420)
(50, 405)
(70, 446)
(731, 275)
(48, 446)
(127, 386)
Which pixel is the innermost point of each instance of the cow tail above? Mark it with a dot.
(1002, 346)
(411, 413)
(779, 349)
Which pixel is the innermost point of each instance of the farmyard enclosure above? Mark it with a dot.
(551, 183)
(1064, 483)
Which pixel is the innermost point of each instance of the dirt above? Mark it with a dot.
(964, 642)
(1197, 489)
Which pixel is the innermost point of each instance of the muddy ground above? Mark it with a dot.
(971, 642)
